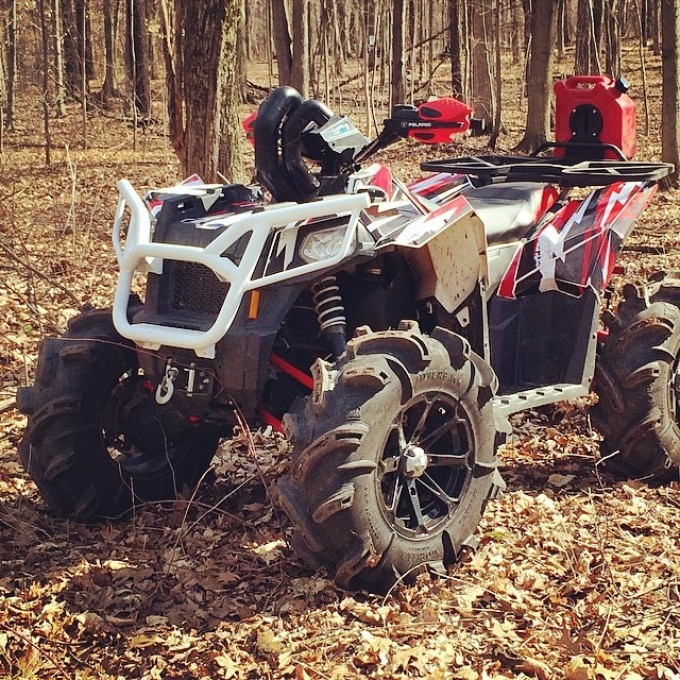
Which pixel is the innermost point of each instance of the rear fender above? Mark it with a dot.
(577, 248)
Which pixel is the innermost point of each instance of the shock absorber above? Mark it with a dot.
(331, 313)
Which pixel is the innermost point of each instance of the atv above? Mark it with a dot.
(388, 330)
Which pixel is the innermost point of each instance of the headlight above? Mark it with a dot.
(323, 245)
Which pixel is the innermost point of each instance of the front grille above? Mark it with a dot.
(197, 289)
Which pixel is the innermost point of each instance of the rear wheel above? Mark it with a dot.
(394, 457)
(95, 443)
(638, 383)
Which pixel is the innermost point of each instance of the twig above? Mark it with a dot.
(402, 578)
(184, 530)
(7, 404)
(30, 642)
(604, 630)
(12, 194)
(30, 304)
(71, 217)
(251, 450)
(216, 507)
(38, 273)
(306, 666)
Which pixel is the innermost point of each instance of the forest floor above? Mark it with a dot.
(576, 576)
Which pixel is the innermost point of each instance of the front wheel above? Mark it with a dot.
(96, 443)
(393, 457)
(637, 381)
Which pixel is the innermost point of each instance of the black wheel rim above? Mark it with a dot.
(436, 423)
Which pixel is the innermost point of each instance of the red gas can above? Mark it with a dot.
(594, 110)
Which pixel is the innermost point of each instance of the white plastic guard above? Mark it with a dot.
(141, 254)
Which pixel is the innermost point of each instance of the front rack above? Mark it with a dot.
(562, 171)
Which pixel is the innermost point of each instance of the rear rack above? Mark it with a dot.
(562, 171)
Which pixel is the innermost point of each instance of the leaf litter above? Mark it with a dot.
(576, 574)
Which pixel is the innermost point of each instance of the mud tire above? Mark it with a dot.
(637, 381)
(346, 471)
(65, 446)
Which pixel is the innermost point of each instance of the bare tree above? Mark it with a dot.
(111, 9)
(78, 58)
(498, 90)
(203, 102)
(480, 36)
(543, 31)
(588, 31)
(137, 47)
(228, 128)
(3, 89)
(12, 65)
(655, 26)
(398, 81)
(282, 41)
(670, 126)
(455, 42)
(173, 50)
(614, 16)
(58, 49)
(46, 69)
(299, 74)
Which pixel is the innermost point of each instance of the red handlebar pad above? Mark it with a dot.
(444, 117)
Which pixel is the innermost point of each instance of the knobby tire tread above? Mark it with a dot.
(331, 493)
(636, 413)
(63, 448)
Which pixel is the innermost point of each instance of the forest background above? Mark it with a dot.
(576, 575)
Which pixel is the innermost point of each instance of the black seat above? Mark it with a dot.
(508, 210)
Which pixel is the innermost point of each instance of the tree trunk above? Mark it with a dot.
(138, 56)
(526, 7)
(110, 85)
(84, 80)
(229, 131)
(455, 42)
(242, 57)
(84, 31)
(212, 131)
(543, 28)
(498, 81)
(45, 34)
(561, 27)
(12, 66)
(643, 69)
(284, 57)
(656, 28)
(76, 44)
(398, 81)
(172, 52)
(587, 60)
(613, 22)
(58, 47)
(299, 74)
(3, 77)
(482, 94)
(670, 126)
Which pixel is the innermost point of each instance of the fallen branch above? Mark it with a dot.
(7, 404)
(38, 649)
(12, 194)
(38, 273)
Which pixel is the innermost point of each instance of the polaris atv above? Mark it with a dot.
(388, 330)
